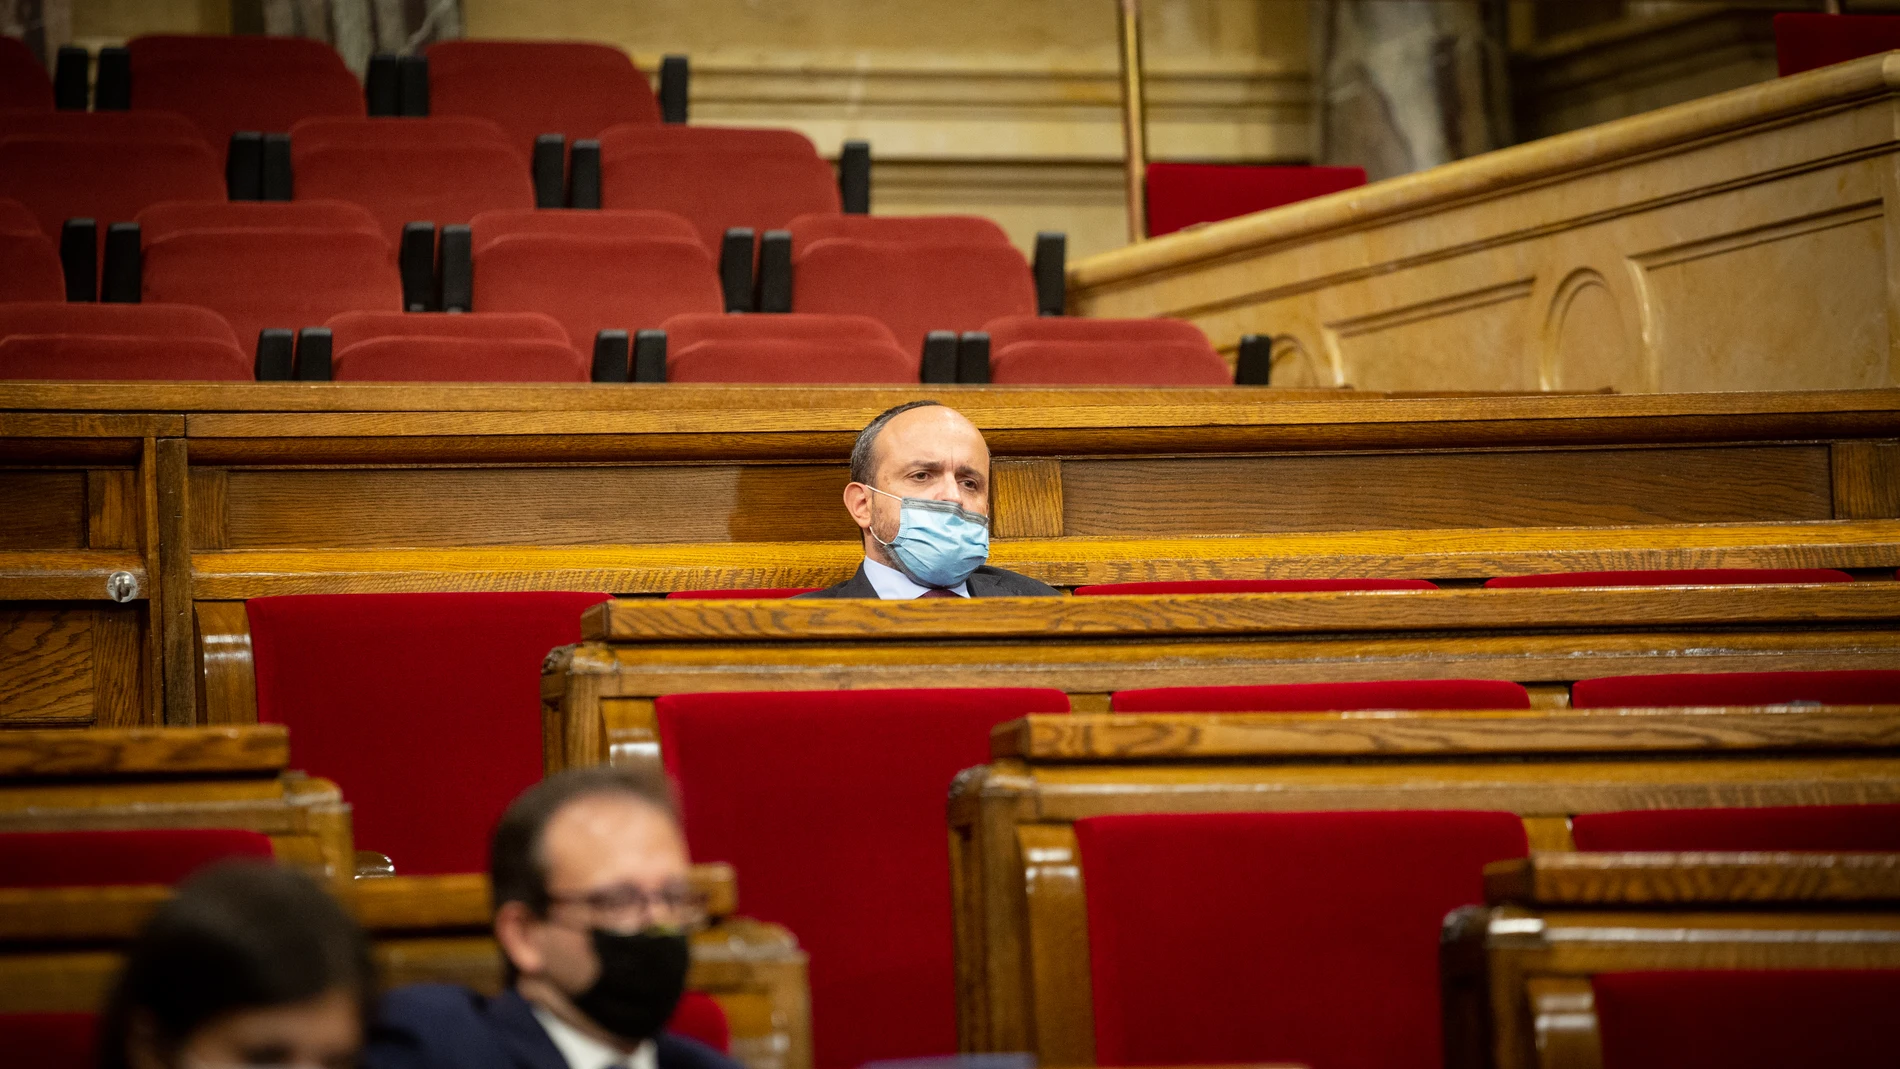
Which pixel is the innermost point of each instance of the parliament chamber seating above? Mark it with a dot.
(1747, 1019)
(784, 348)
(24, 82)
(530, 88)
(29, 263)
(1673, 577)
(432, 359)
(1830, 828)
(1055, 350)
(272, 279)
(853, 863)
(73, 357)
(1326, 697)
(591, 284)
(1864, 687)
(717, 177)
(348, 328)
(1181, 195)
(167, 218)
(1805, 41)
(227, 84)
(110, 858)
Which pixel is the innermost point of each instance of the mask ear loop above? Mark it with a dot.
(900, 517)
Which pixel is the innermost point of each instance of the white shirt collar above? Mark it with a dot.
(582, 1051)
(893, 585)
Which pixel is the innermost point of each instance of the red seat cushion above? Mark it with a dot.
(1182, 194)
(1006, 331)
(791, 360)
(30, 269)
(1868, 687)
(853, 861)
(115, 320)
(368, 682)
(1326, 697)
(699, 1016)
(351, 327)
(23, 79)
(693, 328)
(595, 284)
(49, 1040)
(530, 88)
(1743, 1019)
(1255, 586)
(1809, 827)
(119, 858)
(429, 359)
(73, 357)
(401, 179)
(488, 227)
(262, 278)
(175, 216)
(1108, 363)
(896, 229)
(913, 289)
(101, 125)
(433, 130)
(228, 83)
(718, 177)
(1807, 40)
(1220, 938)
(60, 177)
(1676, 577)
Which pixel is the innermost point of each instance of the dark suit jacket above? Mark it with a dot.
(985, 582)
(441, 1026)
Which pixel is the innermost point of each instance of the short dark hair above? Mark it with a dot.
(516, 868)
(863, 451)
(238, 935)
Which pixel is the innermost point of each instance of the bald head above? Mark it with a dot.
(922, 450)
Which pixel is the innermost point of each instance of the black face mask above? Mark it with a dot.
(642, 977)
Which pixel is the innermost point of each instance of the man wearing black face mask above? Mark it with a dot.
(592, 911)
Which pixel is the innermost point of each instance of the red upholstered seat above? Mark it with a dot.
(402, 176)
(488, 227)
(913, 289)
(122, 359)
(1807, 40)
(100, 125)
(1006, 331)
(30, 268)
(791, 360)
(896, 229)
(718, 177)
(831, 804)
(23, 79)
(257, 278)
(60, 177)
(351, 327)
(1183, 194)
(684, 330)
(757, 592)
(173, 217)
(1831, 828)
(119, 858)
(228, 83)
(114, 320)
(530, 88)
(1675, 577)
(368, 682)
(49, 1040)
(1106, 363)
(1326, 697)
(327, 130)
(1866, 687)
(700, 1017)
(1255, 586)
(1742, 1019)
(1219, 938)
(430, 359)
(595, 284)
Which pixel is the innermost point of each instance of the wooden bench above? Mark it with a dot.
(1517, 992)
(1022, 940)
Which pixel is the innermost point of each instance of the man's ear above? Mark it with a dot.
(857, 501)
(513, 925)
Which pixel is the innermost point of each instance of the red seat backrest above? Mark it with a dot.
(400, 180)
(49, 1040)
(759, 592)
(913, 289)
(791, 360)
(1108, 363)
(1675, 577)
(1772, 828)
(1863, 687)
(1006, 331)
(123, 359)
(431, 359)
(896, 229)
(351, 327)
(1183, 194)
(115, 320)
(60, 178)
(488, 227)
(1745, 1019)
(1807, 40)
(685, 330)
(23, 79)
(261, 278)
(1219, 938)
(699, 1016)
(530, 88)
(100, 125)
(718, 177)
(367, 682)
(1326, 697)
(1255, 586)
(595, 284)
(171, 217)
(228, 83)
(119, 858)
(853, 862)
(379, 131)
(29, 268)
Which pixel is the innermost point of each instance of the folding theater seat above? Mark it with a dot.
(1225, 938)
(29, 264)
(264, 278)
(123, 359)
(1748, 1019)
(226, 84)
(100, 125)
(174, 217)
(1805, 41)
(432, 359)
(530, 88)
(120, 858)
(784, 348)
(718, 177)
(1183, 194)
(1071, 351)
(854, 862)
(114, 321)
(329, 131)
(60, 177)
(489, 227)
(1866, 687)
(592, 284)
(1325, 697)
(1254, 586)
(24, 82)
(351, 327)
(1675, 577)
(403, 171)
(1830, 828)
(899, 229)
(424, 708)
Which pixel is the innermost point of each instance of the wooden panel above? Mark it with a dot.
(1866, 479)
(1058, 925)
(46, 666)
(48, 753)
(171, 604)
(1482, 325)
(227, 684)
(1026, 498)
(44, 510)
(119, 675)
(112, 509)
(66, 575)
(207, 488)
(544, 506)
(1650, 879)
(1245, 495)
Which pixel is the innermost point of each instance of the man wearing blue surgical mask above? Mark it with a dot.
(920, 492)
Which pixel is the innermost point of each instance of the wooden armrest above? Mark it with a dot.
(77, 752)
(1649, 879)
(69, 914)
(407, 903)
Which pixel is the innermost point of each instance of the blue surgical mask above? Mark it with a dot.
(938, 543)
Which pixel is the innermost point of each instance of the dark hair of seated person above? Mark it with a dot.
(238, 937)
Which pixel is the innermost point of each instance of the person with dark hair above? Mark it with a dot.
(920, 493)
(592, 908)
(249, 964)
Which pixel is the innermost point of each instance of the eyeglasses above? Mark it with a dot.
(628, 908)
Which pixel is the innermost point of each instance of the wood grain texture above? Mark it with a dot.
(44, 510)
(46, 666)
(227, 680)
(1026, 498)
(58, 752)
(1057, 913)
(1866, 479)
(206, 495)
(119, 682)
(65, 575)
(171, 605)
(153, 665)
(77, 914)
(112, 509)
(1703, 879)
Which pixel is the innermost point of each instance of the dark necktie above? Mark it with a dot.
(937, 592)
